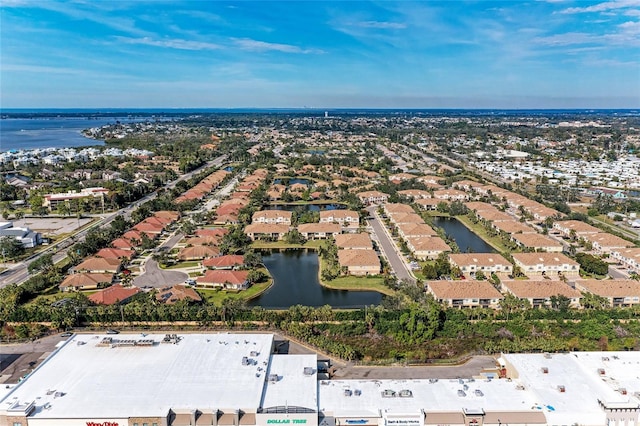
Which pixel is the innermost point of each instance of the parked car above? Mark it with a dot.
(113, 332)
(66, 334)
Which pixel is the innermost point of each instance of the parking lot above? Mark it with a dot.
(52, 226)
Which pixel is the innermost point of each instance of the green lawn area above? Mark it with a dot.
(359, 284)
(188, 264)
(217, 296)
(313, 244)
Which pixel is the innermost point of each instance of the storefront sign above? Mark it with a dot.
(285, 421)
(357, 422)
(403, 422)
(102, 424)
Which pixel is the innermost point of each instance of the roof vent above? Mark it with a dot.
(273, 378)
(478, 392)
(562, 389)
(545, 370)
(308, 371)
(388, 393)
(406, 393)
(601, 371)
(461, 392)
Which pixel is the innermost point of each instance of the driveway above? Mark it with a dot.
(155, 277)
(388, 247)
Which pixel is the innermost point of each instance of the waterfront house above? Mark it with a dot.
(319, 231)
(392, 208)
(407, 230)
(539, 293)
(265, 231)
(359, 262)
(280, 217)
(198, 252)
(465, 294)
(172, 294)
(226, 279)
(430, 203)
(510, 227)
(575, 227)
(230, 261)
(487, 263)
(603, 242)
(549, 264)
(400, 218)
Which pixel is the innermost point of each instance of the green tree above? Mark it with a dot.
(10, 248)
(44, 263)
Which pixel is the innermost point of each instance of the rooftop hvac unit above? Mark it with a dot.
(433, 380)
(245, 360)
(461, 392)
(545, 370)
(347, 392)
(623, 391)
(547, 355)
(388, 393)
(405, 393)
(479, 392)
(308, 371)
(254, 353)
(357, 392)
(601, 371)
(273, 378)
(562, 389)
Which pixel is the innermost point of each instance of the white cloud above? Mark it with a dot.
(263, 46)
(604, 7)
(171, 43)
(382, 25)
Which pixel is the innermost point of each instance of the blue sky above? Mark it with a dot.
(294, 54)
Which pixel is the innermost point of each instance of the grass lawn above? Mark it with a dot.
(359, 284)
(217, 296)
(179, 265)
(313, 244)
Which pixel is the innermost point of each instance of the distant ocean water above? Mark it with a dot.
(32, 133)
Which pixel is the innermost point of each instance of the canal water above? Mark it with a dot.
(295, 274)
(290, 181)
(467, 241)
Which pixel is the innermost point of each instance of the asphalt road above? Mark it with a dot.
(155, 277)
(388, 247)
(19, 273)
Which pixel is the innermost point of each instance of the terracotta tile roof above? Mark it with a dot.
(148, 228)
(338, 214)
(610, 288)
(416, 230)
(168, 214)
(198, 252)
(347, 241)
(540, 289)
(606, 240)
(430, 202)
(115, 253)
(372, 194)
(86, 279)
(397, 208)
(122, 243)
(358, 258)
(465, 289)
(494, 216)
(514, 227)
(226, 261)
(415, 193)
(549, 259)
(483, 259)
(221, 276)
(171, 295)
(114, 294)
(272, 214)
(399, 218)
(428, 244)
(536, 240)
(578, 226)
(212, 232)
(206, 240)
(225, 209)
(132, 235)
(480, 206)
(98, 264)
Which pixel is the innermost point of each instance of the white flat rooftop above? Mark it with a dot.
(200, 371)
(583, 386)
(341, 397)
(292, 388)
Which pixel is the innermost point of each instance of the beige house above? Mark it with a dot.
(392, 208)
(427, 247)
(359, 262)
(450, 194)
(578, 227)
(465, 294)
(259, 231)
(359, 241)
(619, 293)
(372, 197)
(99, 265)
(319, 231)
(398, 218)
(407, 230)
(430, 203)
(511, 227)
(415, 194)
(549, 264)
(629, 257)
(537, 242)
(487, 263)
(280, 217)
(604, 242)
(539, 293)
(85, 281)
(346, 218)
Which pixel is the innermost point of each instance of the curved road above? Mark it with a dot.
(155, 277)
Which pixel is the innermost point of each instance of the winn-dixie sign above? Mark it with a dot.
(103, 424)
(286, 421)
